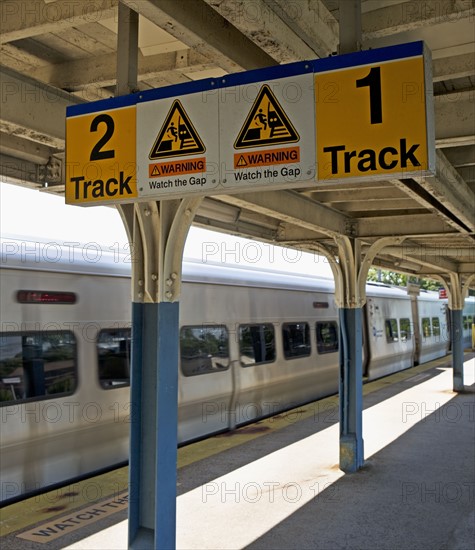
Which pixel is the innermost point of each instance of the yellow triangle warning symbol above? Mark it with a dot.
(266, 123)
(241, 162)
(177, 136)
(155, 171)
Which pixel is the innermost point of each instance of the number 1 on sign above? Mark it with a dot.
(373, 81)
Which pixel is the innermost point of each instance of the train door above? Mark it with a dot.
(366, 346)
(206, 381)
(416, 330)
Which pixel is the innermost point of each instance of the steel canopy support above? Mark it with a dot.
(456, 300)
(157, 232)
(350, 274)
(456, 337)
(153, 445)
(350, 302)
(350, 26)
(457, 290)
(351, 390)
(350, 290)
(351, 296)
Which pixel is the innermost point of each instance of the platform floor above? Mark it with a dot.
(277, 485)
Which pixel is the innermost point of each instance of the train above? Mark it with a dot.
(253, 342)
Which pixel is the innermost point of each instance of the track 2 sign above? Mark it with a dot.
(101, 164)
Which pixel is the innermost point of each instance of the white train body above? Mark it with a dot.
(252, 343)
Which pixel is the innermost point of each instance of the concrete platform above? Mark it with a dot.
(282, 488)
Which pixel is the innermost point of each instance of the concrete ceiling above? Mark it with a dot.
(56, 53)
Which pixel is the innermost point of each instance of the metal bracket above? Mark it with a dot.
(51, 173)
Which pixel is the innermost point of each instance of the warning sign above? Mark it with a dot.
(177, 136)
(266, 123)
(265, 134)
(267, 157)
(165, 169)
(74, 520)
(177, 145)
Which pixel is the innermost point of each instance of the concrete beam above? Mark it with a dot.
(99, 71)
(411, 225)
(15, 170)
(448, 187)
(461, 158)
(455, 66)
(25, 149)
(35, 17)
(455, 118)
(413, 15)
(33, 110)
(291, 207)
(414, 254)
(311, 21)
(264, 27)
(199, 26)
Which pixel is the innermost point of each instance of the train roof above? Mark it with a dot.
(64, 257)
(250, 276)
(94, 259)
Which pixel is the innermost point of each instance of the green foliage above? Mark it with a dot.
(399, 279)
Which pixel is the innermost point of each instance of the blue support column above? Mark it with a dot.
(456, 337)
(135, 452)
(153, 453)
(351, 390)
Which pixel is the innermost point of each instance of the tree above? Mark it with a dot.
(399, 279)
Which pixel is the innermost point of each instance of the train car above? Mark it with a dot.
(468, 320)
(403, 330)
(252, 343)
(264, 342)
(57, 315)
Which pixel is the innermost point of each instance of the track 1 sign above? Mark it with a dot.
(372, 115)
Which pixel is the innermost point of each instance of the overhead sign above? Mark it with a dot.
(361, 116)
(266, 124)
(100, 160)
(177, 145)
(177, 136)
(265, 138)
(371, 115)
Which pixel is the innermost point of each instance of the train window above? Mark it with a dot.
(296, 337)
(256, 344)
(327, 336)
(435, 326)
(426, 328)
(465, 322)
(405, 329)
(35, 365)
(392, 334)
(113, 353)
(204, 349)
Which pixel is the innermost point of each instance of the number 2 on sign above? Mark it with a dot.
(97, 153)
(373, 81)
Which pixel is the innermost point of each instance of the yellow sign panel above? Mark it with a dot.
(177, 136)
(371, 120)
(101, 157)
(266, 123)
